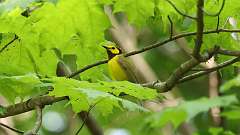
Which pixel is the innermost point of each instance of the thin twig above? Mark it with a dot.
(5, 46)
(33, 62)
(29, 10)
(87, 116)
(179, 72)
(12, 129)
(38, 123)
(155, 45)
(171, 27)
(175, 76)
(201, 73)
(228, 52)
(198, 69)
(218, 21)
(91, 124)
(218, 13)
(165, 86)
(87, 67)
(158, 44)
(225, 23)
(183, 14)
(222, 52)
(46, 100)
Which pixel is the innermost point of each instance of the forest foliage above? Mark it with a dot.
(72, 32)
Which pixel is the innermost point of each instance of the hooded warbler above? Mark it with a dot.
(120, 68)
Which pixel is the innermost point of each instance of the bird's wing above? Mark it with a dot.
(129, 69)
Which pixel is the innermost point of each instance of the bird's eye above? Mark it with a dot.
(113, 48)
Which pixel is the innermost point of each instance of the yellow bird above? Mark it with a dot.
(120, 68)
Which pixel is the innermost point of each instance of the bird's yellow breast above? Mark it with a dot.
(115, 69)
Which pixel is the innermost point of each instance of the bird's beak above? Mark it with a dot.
(104, 46)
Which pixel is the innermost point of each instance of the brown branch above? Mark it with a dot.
(29, 105)
(222, 52)
(9, 43)
(29, 10)
(228, 52)
(47, 100)
(173, 79)
(87, 67)
(12, 129)
(89, 121)
(201, 73)
(38, 122)
(171, 27)
(175, 76)
(179, 72)
(200, 27)
(198, 69)
(183, 14)
(158, 44)
(91, 124)
(155, 45)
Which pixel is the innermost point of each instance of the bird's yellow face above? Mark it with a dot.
(112, 50)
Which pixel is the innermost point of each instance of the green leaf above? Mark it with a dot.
(83, 94)
(187, 110)
(20, 86)
(137, 11)
(219, 131)
(230, 84)
(107, 2)
(2, 110)
(171, 115)
(70, 29)
(115, 87)
(231, 114)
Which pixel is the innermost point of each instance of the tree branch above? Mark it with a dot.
(38, 122)
(218, 13)
(29, 10)
(176, 75)
(228, 52)
(171, 27)
(29, 105)
(200, 27)
(218, 21)
(5, 46)
(209, 70)
(179, 72)
(91, 124)
(87, 67)
(155, 45)
(12, 129)
(47, 100)
(183, 14)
